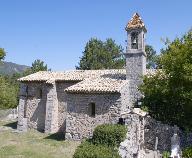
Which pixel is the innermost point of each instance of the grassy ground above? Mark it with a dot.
(32, 144)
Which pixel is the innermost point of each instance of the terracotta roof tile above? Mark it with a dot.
(90, 81)
(98, 85)
(135, 22)
(74, 75)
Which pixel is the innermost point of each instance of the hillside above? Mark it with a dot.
(9, 68)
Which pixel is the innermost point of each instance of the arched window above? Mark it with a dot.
(134, 40)
(91, 109)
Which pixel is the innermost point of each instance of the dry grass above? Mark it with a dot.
(33, 144)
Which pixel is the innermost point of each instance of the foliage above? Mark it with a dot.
(187, 152)
(8, 94)
(37, 66)
(145, 108)
(89, 150)
(152, 57)
(109, 135)
(9, 86)
(2, 53)
(168, 94)
(101, 55)
(27, 72)
(166, 154)
(106, 139)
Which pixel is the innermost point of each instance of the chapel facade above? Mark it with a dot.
(75, 102)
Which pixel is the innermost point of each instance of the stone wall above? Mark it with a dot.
(80, 124)
(35, 105)
(51, 121)
(134, 141)
(125, 107)
(62, 102)
(155, 129)
(145, 136)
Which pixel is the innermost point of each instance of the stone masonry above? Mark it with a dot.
(75, 102)
(46, 113)
(80, 124)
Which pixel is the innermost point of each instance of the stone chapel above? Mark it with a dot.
(75, 102)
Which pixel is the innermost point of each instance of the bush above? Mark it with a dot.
(8, 94)
(109, 135)
(89, 150)
(187, 152)
(166, 154)
(106, 139)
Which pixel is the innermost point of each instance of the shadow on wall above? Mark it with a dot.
(62, 128)
(60, 136)
(39, 115)
(12, 125)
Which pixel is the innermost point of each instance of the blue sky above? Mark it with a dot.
(56, 31)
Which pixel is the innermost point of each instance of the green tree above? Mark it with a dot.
(168, 94)
(37, 65)
(152, 57)
(2, 53)
(8, 94)
(101, 55)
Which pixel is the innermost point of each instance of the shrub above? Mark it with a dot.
(109, 135)
(89, 150)
(8, 94)
(166, 154)
(187, 152)
(106, 139)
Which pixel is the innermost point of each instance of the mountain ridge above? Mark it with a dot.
(9, 68)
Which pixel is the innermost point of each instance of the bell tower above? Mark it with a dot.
(135, 53)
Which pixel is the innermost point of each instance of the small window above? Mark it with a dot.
(40, 93)
(121, 121)
(27, 90)
(92, 109)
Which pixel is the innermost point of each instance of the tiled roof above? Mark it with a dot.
(135, 22)
(75, 75)
(98, 85)
(90, 81)
(78, 75)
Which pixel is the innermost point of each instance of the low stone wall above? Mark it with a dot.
(80, 124)
(155, 129)
(8, 114)
(146, 135)
(164, 133)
